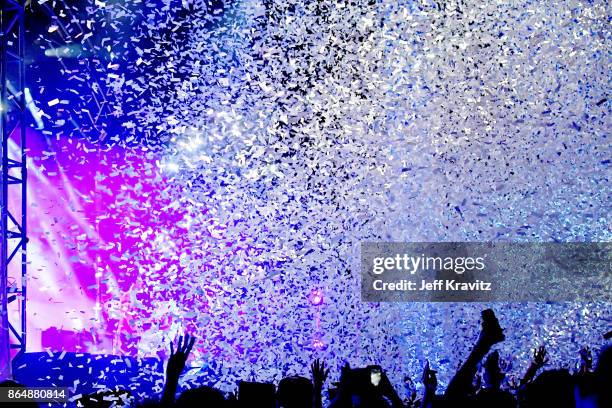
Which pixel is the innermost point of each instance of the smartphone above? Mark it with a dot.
(375, 375)
(488, 316)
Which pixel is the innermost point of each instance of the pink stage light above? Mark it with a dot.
(316, 297)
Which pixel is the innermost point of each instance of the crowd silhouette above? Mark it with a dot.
(369, 387)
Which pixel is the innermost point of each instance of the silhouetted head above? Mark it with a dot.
(493, 397)
(603, 377)
(256, 394)
(585, 390)
(554, 388)
(363, 386)
(201, 397)
(295, 392)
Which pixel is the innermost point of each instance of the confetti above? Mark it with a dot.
(232, 158)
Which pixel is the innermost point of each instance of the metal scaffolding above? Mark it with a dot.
(13, 125)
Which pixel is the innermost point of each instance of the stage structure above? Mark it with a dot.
(13, 125)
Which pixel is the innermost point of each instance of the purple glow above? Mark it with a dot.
(318, 343)
(316, 297)
(81, 222)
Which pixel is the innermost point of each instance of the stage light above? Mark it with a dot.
(316, 297)
(170, 167)
(318, 343)
(36, 113)
(68, 51)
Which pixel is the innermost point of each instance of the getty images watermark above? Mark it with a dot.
(481, 272)
(412, 264)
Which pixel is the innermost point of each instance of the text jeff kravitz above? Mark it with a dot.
(433, 285)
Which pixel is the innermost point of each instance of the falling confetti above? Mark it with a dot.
(242, 150)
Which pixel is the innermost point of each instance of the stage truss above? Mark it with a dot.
(13, 126)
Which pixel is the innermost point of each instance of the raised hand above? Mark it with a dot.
(319, 373)
(539, 360)
(430, 380)
(177, 360)
(176, 365)
(539, 357)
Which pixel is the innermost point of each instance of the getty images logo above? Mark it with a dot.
(412, 264)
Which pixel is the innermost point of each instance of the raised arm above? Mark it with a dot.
(319, 375)
(430, 381)
(538, 361)
(389, 392)
(491, 333)
(176, 365)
